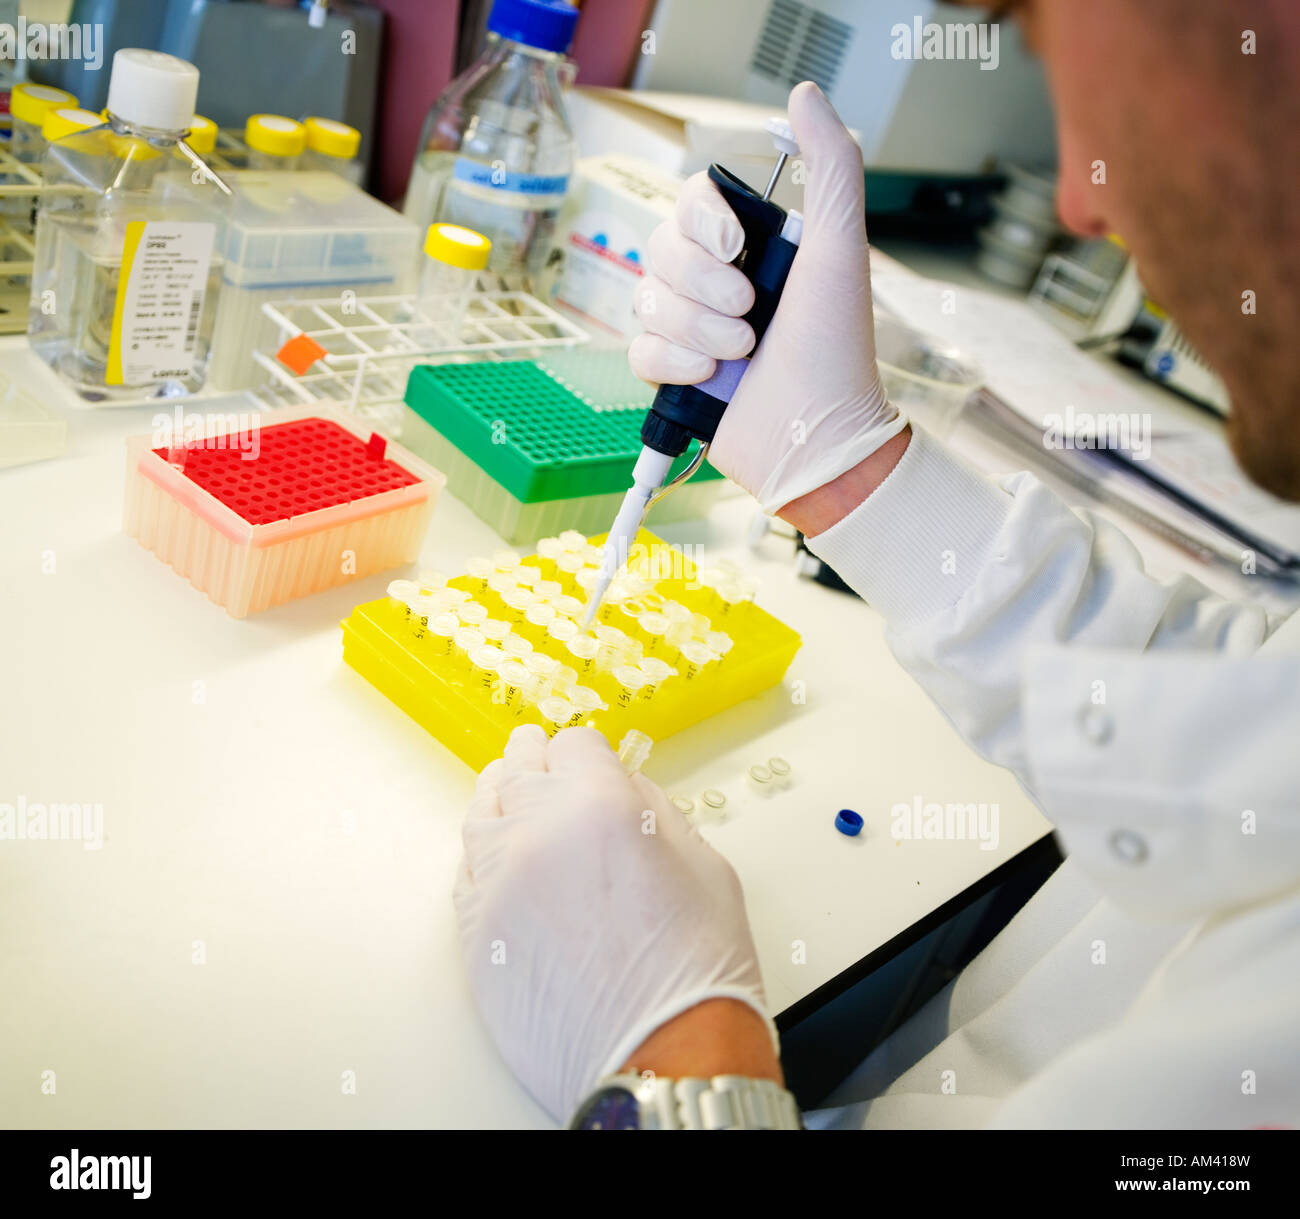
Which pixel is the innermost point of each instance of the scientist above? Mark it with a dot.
(1154, 980)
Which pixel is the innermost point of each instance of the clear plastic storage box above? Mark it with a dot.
(259, 516)
(303, 236)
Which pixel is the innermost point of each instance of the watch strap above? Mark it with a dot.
(723, 1102)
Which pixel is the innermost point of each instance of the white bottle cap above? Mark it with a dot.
(150, 89)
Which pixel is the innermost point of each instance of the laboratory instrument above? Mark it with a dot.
(682, 413)
(497, 152)
(472, 694)
(126, 273)
(262, 513)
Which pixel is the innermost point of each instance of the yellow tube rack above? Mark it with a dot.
(444, 693)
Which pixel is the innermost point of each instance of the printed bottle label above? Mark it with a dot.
(159, 306)
(475, 173)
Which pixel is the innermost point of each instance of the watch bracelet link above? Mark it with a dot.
(723, 1102)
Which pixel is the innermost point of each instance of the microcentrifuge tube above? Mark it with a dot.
(562, 630)
(559, 712)
(587, 700)
(629, 683)
(569, 607)
(655, 626)
(441, 631)
(780, 769)
(517, 600)
(484, 662)
(539, 662)
(537, 618)
(494, 630)
(471, 613)
(505, 560)
(548, 550)
(583, 649)
(655, 672)
(683, 804)
(477, 573)
(712, 798)
(512, 679)
(403, 592)
(634, 750)
(516, 646)
(548, 590)
(572, 540)
(719, 641)
(695, 659)
(567, 566)
(465, 639)
(430, 581)
(527, 576)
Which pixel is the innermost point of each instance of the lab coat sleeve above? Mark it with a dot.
(972, 573)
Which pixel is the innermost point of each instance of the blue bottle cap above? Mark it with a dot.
(545, 24)
(848, 822)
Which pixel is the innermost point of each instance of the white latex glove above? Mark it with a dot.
(811, 405)
(591, 912)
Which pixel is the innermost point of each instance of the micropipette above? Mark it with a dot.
(682, 413)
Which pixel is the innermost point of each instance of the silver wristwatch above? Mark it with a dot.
(725, 1102)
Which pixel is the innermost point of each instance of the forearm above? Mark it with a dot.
(716, 1037)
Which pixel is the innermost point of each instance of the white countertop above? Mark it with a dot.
(267, 810)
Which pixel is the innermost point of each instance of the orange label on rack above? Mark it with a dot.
(300, 353)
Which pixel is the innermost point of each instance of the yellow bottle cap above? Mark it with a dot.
(275, 135)
(458, 246)
(32, 103)
(332, 139)
(66, 120)
(203, 135)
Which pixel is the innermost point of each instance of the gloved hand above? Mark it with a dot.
(591, 912)
(811, 405)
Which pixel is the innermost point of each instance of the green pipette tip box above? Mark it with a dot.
(529, 432)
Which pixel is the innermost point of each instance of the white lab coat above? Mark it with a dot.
(1154, 981)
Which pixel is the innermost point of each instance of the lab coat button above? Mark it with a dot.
(1128, 847)
(1095, 725)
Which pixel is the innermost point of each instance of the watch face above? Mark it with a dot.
(612, 1108)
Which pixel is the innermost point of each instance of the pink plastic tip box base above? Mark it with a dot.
(273, 509)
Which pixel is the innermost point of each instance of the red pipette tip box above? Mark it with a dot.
(258, 511)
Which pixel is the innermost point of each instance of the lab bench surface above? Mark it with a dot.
(266, 936)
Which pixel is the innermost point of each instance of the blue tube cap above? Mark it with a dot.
(545, 24)
(848, 822)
